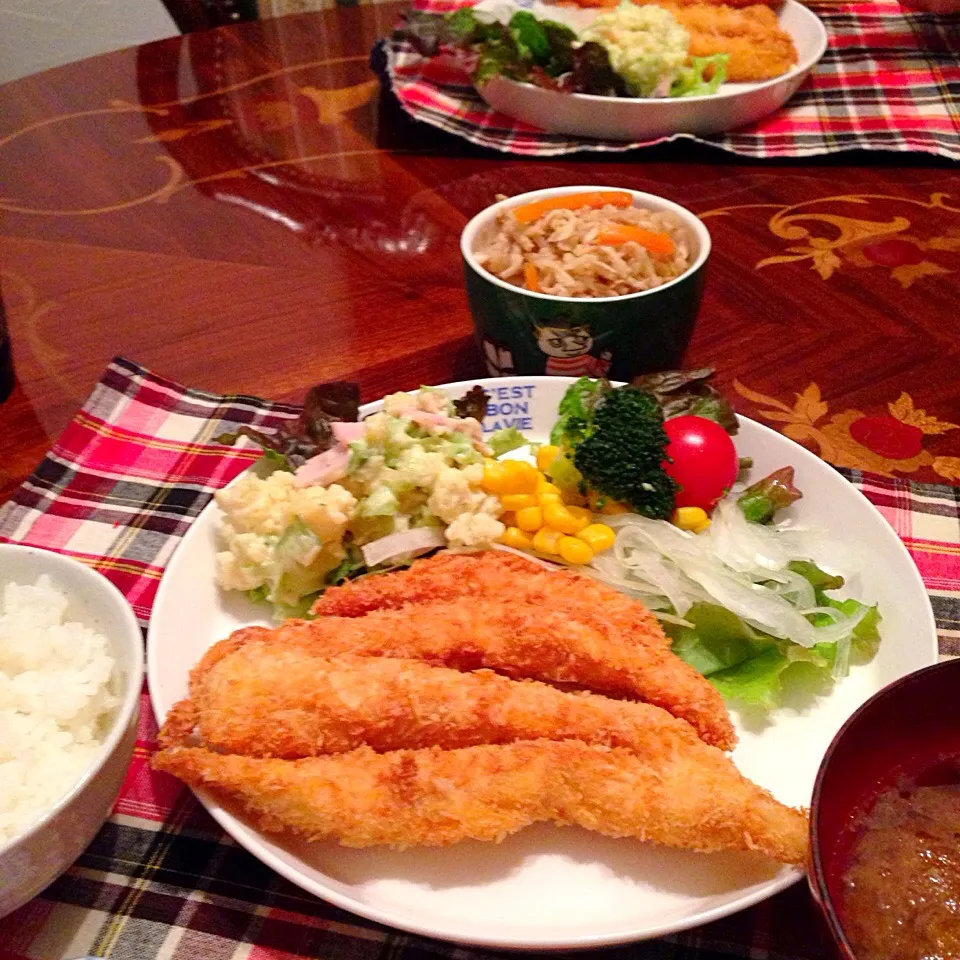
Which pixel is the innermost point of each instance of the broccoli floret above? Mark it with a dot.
(622, 453)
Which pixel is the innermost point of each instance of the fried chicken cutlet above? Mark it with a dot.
(757, 46)
(692, 797)
(279, 700)
(518, 640)
(493, 574)
(606, 4)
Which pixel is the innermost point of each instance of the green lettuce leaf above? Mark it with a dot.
(576, 411)
(295, 611)
(718, 639)
(496, 61)
(690, 81)
(561, 39)
(756, 682)
(258, 594)
(463, 25)
(350, 567)
(529, 35)
(505, 440)
(865, 639)
(759, 670)
(819, 579)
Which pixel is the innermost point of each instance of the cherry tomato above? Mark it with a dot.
(705, 461)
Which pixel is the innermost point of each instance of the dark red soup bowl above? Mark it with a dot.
(905, 737)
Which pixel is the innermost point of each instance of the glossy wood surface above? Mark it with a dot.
(243, 210)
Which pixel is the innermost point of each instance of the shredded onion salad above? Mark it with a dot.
(738, 603)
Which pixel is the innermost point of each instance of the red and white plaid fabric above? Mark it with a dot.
(890, 80)
(161, 881)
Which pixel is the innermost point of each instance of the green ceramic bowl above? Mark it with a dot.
(521, 332)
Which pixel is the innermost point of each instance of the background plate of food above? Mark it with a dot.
(481, 764)
(633, 71)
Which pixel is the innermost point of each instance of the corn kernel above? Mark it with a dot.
(521, 477)
(690, 518)
(517, 538)
(598, 537)
(494, 477)
(563, 519)
(611, 508)
(545, 540)
(546, 455)
(508, 518)
(530, 518)
(549, 493)
(517, 501)
(581, 513)
(574, 550)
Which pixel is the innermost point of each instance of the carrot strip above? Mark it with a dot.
(622, 232)
(530, 278)
(572, 201)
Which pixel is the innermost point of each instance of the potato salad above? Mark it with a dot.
(402, 481)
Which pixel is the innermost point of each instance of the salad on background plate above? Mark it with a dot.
(629, 51)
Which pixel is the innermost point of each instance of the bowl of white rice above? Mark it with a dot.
(71, 672)
(584, 281)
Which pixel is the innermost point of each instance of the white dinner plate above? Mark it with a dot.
(636, 118)
(563, 888)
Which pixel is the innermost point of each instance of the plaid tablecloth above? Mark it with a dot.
(890, 80)
(161, 880)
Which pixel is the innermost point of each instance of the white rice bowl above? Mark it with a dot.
(71, 678)
(56, 694)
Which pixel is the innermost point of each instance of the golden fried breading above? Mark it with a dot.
(519, 640)
(690, 796)
(279, 700)
(493, 574)
(606, 4)
(757, 46)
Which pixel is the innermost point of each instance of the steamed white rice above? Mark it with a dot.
(55, 690)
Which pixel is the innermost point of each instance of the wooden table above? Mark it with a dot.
(245, 211)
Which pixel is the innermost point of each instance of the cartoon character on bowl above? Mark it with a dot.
(567, 345)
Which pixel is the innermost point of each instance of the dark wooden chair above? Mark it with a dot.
(190, 15)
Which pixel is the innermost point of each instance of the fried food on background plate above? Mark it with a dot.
(747, 31)
(519, 640)
(493, 573)
(691, 797)
(758, 47)
(280, 700)
(606, 4)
